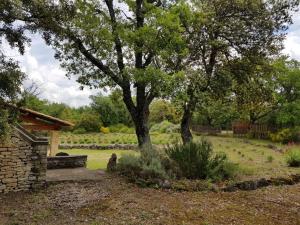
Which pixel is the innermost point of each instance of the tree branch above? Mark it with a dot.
(98, 63)
(118, 44)
(139, 24)
(148, 60)
(127, 98)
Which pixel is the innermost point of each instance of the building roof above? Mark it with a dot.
(34, 120)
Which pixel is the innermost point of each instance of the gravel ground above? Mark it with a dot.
(112, 200)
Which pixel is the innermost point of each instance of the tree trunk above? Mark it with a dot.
(140, 116)
(142, 129)
(253, 118)
(186, 134)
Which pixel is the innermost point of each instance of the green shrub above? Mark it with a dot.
(121, 128)
(7, 118)
(224, 171)
(145, 170)
(270, 159)
(197, 161)
(171, 167)
(286, 135)
(105, 130)
(79, 131)
(89, 122)
(293, 158)
(165, 127)
(153, 170)
(129, 165)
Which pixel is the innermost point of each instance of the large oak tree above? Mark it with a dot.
(114, 43)
(219, 32)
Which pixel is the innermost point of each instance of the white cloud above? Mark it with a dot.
(40, 66)
(292, 42)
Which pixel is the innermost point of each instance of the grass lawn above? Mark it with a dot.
(97, 159)
(255, 158)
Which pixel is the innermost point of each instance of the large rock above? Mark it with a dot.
(112, 163)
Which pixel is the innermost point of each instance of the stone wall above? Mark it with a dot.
(23, 163)
(99, 147)
(60, 162)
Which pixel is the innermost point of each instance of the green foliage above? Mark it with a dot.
(161, 110)
(58, 110)
(208, 113)
(197, 161)
(286, 135)
(11, 79)
(154, 169)
(287, 74)
(33, 102)
(12, 31)
(79, 130)
(111, 109)
(105, 130)
(88, 118)
(270, 159)
(211, 72)
(146, 169)
(5, 127)
(89, 122)
(121, 128)
(103, 48)
(293, 158)
(129, 163)
(165, 127)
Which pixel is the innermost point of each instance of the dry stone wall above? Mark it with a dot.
(72, 161)
(23, 163)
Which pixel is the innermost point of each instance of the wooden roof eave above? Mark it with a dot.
(40, 116)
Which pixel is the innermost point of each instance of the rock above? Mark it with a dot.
(166, 184)
(112, 163)
(263, 183)
(271, 146)
(62, 154)
(215, 188)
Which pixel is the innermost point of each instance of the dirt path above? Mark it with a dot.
(114, 201)
(77, 174)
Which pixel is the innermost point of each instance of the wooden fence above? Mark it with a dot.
(260, 131)
(205, 129)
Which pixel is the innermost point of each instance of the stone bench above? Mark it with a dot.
(62, 162)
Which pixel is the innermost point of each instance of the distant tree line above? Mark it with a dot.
(103, 111)
(273, 98)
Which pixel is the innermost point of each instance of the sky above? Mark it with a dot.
(41, 68)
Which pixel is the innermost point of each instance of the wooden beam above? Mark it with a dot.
(38, 124)
(45, 118)
(32, 119)
(54, 142)
(41, 127)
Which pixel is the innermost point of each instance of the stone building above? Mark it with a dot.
(23, 162)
